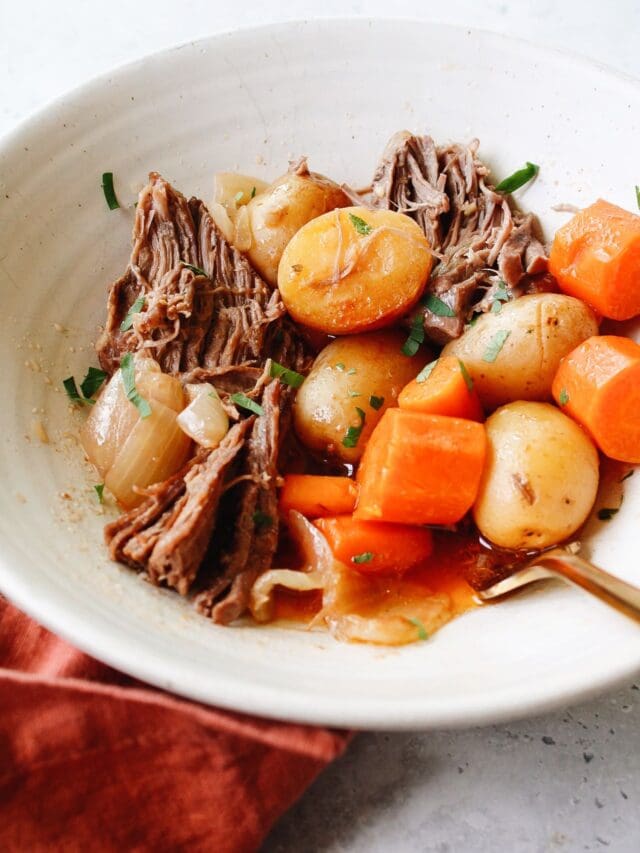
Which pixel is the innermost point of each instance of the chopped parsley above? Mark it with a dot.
(360, 225)
(376, 402)
(238, 196)
(495, 345)
(247, 403)
(352, 435)
(426, 371)
(352, 371)
(109, 192)
(416, 336)
(99, 490)
(339, 366)
(285, 375)
(365, 557)
(422, 631)
(261, 520)
(563, 398)
(438, 307)
(253, 192)
(468, 381)
(501, 295)
(518, 179)
(607, 513)
(194, 269)
(136, 308)
(355, 394)
(638, 196)
(72, 391)
(92, 382)
(129, 381)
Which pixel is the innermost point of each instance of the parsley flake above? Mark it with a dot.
(109, 192)
(365, 557)
(518, 179)
(638, 196)
(136, 308)
(495, 345)
(253, 192)
(416, 336)
(426, 371)
(99, 490)
(92, 382)
(261, 520)
(468, 381)
(360, 225)
(607, 513)
(339, 366)
(194, 269)
(352, 435)
(72, 391)
(285, 375)
(438, 307)
(376, 402)
(238, 196)
(247, 403)
(128, 370)
(355, 394)
(422, 631)
(563, 397)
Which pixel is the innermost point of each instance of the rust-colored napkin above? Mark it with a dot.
(91, 759)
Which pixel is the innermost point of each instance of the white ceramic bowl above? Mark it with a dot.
(334, 90)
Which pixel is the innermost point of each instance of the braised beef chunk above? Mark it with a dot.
(472, 227)
(167, 535)
(253, 507)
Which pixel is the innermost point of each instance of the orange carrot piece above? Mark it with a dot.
(596, 257)
(447, 390)
(374, 547)
(598, 385)
(420, 469)
(316, 496)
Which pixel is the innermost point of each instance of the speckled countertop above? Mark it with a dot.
(564, 782)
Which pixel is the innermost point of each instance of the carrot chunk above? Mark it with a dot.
(420, 469)
(446, 390)
(598, 385)
(315, 496)
(375, 546)
(596, 257)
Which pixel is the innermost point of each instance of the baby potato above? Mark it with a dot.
(514, 355)
(274, 216)
(354, 270)
(363, 371)
(540, 478)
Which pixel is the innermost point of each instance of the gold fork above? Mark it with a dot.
(566, 564)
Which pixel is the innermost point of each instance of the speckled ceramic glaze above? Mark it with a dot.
(249, 101)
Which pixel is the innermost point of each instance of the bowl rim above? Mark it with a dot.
(275, 702)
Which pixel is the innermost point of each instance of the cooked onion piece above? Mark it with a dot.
(261, 602)
(233, 190)
(154, 450)
(161, 387)
(204, 419)
(108, 425)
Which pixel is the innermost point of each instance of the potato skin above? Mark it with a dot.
(325, 408)
(283, 208)
(540, 478)
(341, 280)
(543, 327)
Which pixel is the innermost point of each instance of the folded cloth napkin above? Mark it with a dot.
(91, 759)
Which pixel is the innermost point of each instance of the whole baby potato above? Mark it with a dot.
(514, 354)
(540, 478)
(365, 372)
(275, 214)
(354, 270)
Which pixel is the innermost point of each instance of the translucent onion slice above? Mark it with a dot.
(108, 425)
(403, 623)
(155, 449)
(261, 602)
(220, 216)
(160, 387)
(243, 237)
(204, 419)
(233, 190)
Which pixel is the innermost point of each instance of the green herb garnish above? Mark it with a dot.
(129, 381)
(501, 295)
(518, 179)
(638, 196)
(285, 375)
(497, 342)
(72, 391)
(365, 557)
(352, 371)
(426, 371)
(136, 308)
(360, 225)
(607, 513)
(355, 394)
(422, 631)
(416, 336)
(238, 196)
(99, 489)
(438, 307)
(352, 436)
(109, 192)
(563, 397)
(247, 403)
(92, 382)
(468, 381)
(261, 520)
(339, 366)
(194, 269)
(376, 402)
(253, 192)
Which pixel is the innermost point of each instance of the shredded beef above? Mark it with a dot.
(470, 225)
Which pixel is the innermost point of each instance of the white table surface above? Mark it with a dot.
(568, 781)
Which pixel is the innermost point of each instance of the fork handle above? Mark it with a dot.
(618, 593)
